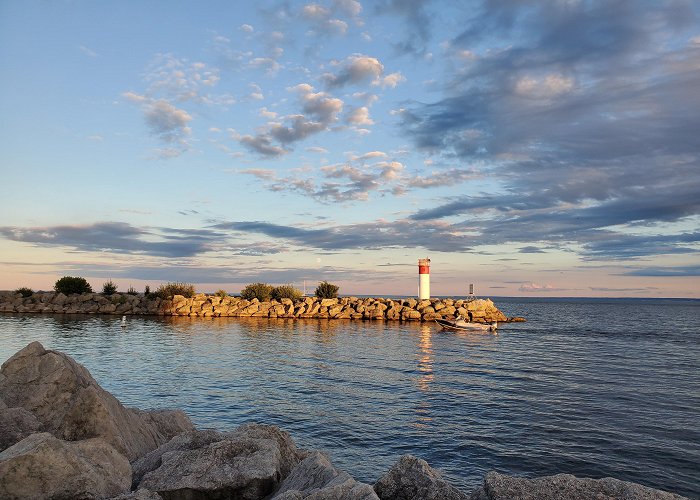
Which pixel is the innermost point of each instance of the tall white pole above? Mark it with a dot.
(423, 279)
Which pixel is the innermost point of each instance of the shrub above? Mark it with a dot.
(132, 291)
(221, 293)
(109, 288)
(286, 292)
(72, 284)
(147, 291)
(169, 290)
(326, 290)
(26, 292)
(119, 299)
(260, 291)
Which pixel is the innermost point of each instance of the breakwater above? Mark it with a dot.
(203, 305)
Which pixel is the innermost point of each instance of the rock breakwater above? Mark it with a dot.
(201, 305)
(66, 437)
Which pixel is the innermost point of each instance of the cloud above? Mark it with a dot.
(261, 144)
(167, 122)
(658, 271)
(586, 142)
(535, 287)
(320, 111)
(326, 20)
(392, 80)
(356, 69)
(418, 20)
(180, 80)
(359, 116)
(117, 237)
(367, 236)
(531, 249)
(357, 178)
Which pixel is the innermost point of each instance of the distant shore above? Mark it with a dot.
(204, 305)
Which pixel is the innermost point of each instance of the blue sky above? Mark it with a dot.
(532, 148)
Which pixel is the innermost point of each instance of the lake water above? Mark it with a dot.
(590, 387)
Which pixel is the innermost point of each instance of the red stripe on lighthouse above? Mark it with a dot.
(423, 269)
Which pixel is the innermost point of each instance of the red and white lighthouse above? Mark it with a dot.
(423, 279)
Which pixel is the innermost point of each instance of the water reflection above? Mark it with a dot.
(427, 376)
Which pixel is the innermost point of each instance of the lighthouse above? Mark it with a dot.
(423, 279)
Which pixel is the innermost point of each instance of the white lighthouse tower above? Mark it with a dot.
(423, 279)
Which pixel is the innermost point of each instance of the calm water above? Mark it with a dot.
(590, 387)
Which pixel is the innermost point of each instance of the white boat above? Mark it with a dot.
(461, 325)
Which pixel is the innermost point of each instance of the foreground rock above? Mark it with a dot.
(501, 487)
(315, 478)
(42, 466)
(68, 403)
(15, 425)
(412, 478)
(248, 462)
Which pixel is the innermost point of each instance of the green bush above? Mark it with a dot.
(147, 291)
(221, 293)
(286, 292)
(169, 290)
(72, 284)
(132, 291)
(109, 288)
(26, 292)
(119, 299)
(260, 291)
(326, 290)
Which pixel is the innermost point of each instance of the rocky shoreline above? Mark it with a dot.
(63, 436)
(201, 305)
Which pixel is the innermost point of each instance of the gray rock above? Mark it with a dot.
(413, 479)
(71, 405)
(349, 489)
(190, 440)
(501, 487)
(316, 478)
(140, 494)
(248, 462)
(42, 466)
(15, 425)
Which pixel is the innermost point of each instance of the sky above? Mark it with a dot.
(532, 148)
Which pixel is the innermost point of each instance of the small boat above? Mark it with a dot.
(461, 325)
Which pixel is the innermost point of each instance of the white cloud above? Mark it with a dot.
(256, 92)
(247, 28)
(315, 12)
(356, 69)
(359, 116)
(134, 97)
(392, 80)
(351, 8)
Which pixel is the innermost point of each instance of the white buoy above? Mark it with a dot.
(423, 279)
(123, 321)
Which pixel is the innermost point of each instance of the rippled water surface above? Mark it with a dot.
(590, 387)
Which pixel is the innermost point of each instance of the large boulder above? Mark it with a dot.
(315, 478)
(413, 479)
(248, 462)
(15, 425)
(501, 487)
(71, 405)
(42, 466)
